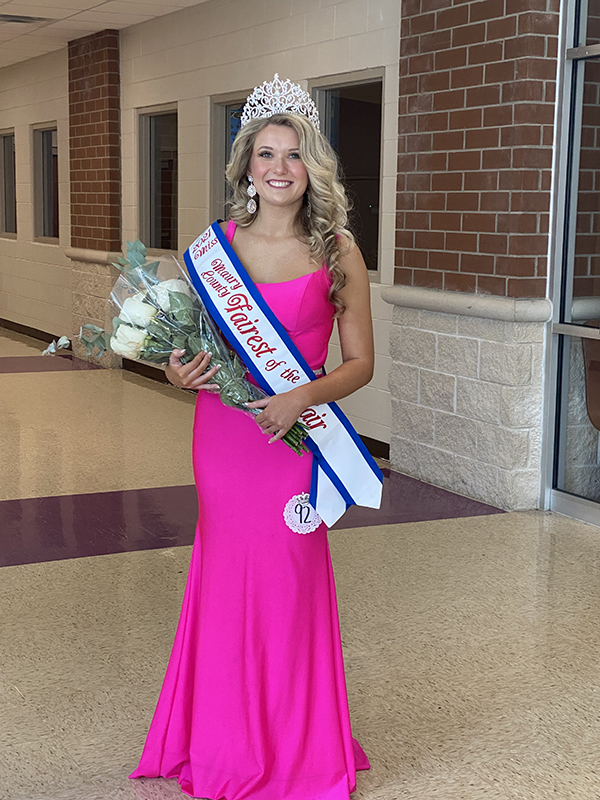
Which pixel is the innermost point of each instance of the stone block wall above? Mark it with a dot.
(467, 401)
(93, 279)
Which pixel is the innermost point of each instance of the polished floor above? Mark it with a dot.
(471, 637)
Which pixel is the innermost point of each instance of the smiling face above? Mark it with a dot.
(279, 175)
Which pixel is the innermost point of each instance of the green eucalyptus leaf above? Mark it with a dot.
(195, 344)
(136, 247)
(152, 268)
(136, 259)
(179, 301)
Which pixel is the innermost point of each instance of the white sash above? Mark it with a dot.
(344, 473)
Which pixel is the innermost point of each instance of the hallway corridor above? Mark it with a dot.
(471, 636)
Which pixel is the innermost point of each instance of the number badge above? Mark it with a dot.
(300, 516)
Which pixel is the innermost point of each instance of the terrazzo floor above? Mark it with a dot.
(471, 637)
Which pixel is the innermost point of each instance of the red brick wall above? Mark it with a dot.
(94, 141)
(476, 107)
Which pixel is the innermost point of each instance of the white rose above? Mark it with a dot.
(136, 312)
(128, 341)
(162, 289)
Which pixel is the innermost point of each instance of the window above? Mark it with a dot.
(227, 119)
(8, 195)
(575, 373)
(158, 180)
(45, 166)
(351, 120)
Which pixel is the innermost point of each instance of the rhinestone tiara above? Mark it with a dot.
(279, 97)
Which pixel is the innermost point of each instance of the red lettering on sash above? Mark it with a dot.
(313, 420)
(238, 302)
(264, 348)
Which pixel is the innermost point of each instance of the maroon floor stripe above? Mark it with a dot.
(43, 364)
(73, 526)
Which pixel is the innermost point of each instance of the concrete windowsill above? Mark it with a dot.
(470, 305)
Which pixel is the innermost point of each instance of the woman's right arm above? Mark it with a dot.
(193, 375)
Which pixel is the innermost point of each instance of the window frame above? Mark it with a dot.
(562, 328)
(145, 209)
(39, 206)
(9, 132)
(218, 148)
(317, 88)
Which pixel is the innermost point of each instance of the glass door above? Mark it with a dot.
(576, 465)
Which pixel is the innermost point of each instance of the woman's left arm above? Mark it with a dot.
(356, 339)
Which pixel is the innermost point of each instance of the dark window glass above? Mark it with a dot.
(162, 182)
(352, 122)
(584, 281)
(46, 176)
(234, 122)
(8, 207)
(593, 22)
(577, 464)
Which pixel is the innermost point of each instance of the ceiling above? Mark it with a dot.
(60, 21)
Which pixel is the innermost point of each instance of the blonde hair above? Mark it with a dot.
(325, 231)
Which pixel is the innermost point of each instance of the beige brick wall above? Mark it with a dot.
(35, 277)
(226, 48)
(181, 60)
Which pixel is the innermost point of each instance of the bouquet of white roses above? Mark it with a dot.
(154, 309)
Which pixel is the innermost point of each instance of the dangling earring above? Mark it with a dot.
(308, 207)
(251, 204)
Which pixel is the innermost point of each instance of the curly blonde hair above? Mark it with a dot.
(325, 231)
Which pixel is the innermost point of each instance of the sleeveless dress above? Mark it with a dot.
(254, 704)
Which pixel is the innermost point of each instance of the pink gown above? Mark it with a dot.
(254, 701)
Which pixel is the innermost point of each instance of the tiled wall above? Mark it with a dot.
(225, 48)
(94, 139)
(476, 131)
(35, 277)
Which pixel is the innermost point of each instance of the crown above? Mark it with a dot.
(279, 97)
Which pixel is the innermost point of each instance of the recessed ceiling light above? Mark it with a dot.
(21, 19)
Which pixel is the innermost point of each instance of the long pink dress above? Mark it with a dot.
(254, 700)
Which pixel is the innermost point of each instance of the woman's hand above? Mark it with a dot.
(195, 374)
(279, 413)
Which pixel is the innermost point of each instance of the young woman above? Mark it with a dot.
(254, 701)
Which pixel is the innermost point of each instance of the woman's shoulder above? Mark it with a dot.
(228, 227)
(351, 260)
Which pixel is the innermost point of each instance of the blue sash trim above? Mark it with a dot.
(265, 308)
(260, 301)
(214, 313)
(318, 458)
(314, 479)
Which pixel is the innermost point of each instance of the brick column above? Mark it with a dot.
(95, 169)
(477, 85)
(94, 141)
